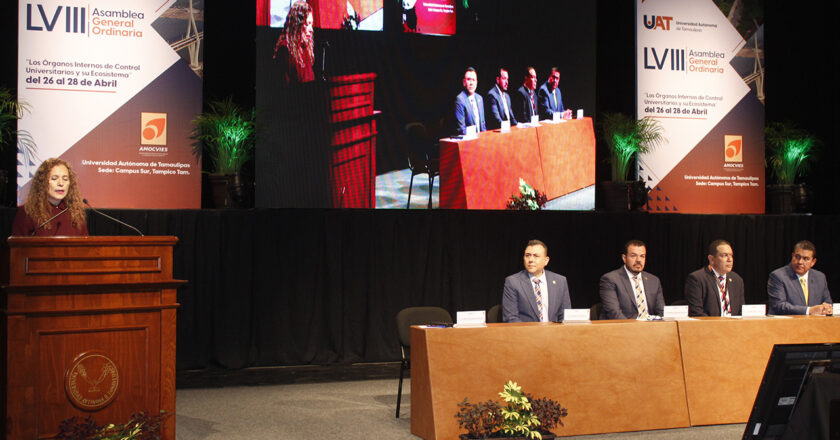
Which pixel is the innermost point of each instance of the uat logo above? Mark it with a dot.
(658, 22)
(733, 147)
(152, 128)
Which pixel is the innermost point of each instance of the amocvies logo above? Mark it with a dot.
(152, 128)
(733, 147)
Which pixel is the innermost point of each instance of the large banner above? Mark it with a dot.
(112, 86)
(700, 73)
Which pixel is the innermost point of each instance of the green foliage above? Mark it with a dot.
(139, 427)
(227, 133)
(790, 151)
(529, 199)
(519, 419)
(627, 137)
(11, 109)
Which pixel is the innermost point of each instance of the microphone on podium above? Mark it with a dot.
(111, 218)
(49, 220)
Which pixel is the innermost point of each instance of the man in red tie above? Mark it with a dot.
(535, 294)
(525, 98)
(715, 290)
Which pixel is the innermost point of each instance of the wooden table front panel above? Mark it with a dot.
(611, 376)
(724, 360)
(567, 150)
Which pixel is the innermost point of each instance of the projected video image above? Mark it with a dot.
(365, 15)
(482, 119)
(436, 17)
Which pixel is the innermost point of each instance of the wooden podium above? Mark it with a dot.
(89, 329)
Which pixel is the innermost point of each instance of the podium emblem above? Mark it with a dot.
(92, 382)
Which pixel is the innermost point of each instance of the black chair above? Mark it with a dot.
(405, 319)
(595, 311)
(495, 313)
(423, 156)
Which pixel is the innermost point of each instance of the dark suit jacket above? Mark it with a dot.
(785, 295)
(520, 305)
(547, 107)
(464, 116)
(619, 300)
(703, 297)
(495, 111)
(522, 104)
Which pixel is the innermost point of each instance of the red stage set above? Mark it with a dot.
(353, 141)
(483, 173)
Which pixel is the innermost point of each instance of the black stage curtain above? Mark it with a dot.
(293, 287)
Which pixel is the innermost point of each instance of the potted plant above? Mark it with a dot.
(529, 199)
(139, 427)
(521, 417)
(789, 154)
(12, 109)
(626, 137)
(227, 134)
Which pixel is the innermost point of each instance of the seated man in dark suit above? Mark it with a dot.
(628, 292)
(535, 294)
(498, 103)
(796, 288)
(549, 97)
(469, 107)
(715, 290)
(525, 98)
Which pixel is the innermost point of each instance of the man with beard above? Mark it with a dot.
(628, 292)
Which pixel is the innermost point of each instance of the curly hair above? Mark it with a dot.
(301, 49)
(37, 205)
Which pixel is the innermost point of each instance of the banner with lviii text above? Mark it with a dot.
(700, 73)
(112, 87)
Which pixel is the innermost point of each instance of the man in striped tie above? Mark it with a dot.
(628, 292)
(535, 294)
(796, 288)
(715, 290)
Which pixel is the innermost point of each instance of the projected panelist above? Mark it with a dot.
(469, 107)
(796, 289)
(498, 102)
(295, 48)
(715, 290)
(535, 294)
(525, 99)
(549, 97)
(54, 205)
(628, 292)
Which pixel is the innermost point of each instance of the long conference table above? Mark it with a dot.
(612, 376)
(482, 173)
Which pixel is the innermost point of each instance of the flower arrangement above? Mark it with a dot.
(521, 416)
(529, 199)
(139, 427)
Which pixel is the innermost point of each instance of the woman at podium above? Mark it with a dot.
(54, 205)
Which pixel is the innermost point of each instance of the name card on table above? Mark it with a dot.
(470, 132)
(753, 311)
(676, 312)
(473, 318)
(535, 120)
(505, 126)
(576, 315)
(580, 113)
(835, 310)
(555, 117)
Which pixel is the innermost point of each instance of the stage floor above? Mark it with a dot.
(392, 192)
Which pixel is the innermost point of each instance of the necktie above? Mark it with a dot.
(641, 301)
(475, 113)
(804, 289)
(533, 105)
(504, 104)
(538, 293)
(554, 95)
(724, 299)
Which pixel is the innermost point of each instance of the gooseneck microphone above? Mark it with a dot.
(112, 218)
(49, 220)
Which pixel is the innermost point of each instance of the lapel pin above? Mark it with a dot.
(553, 282)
